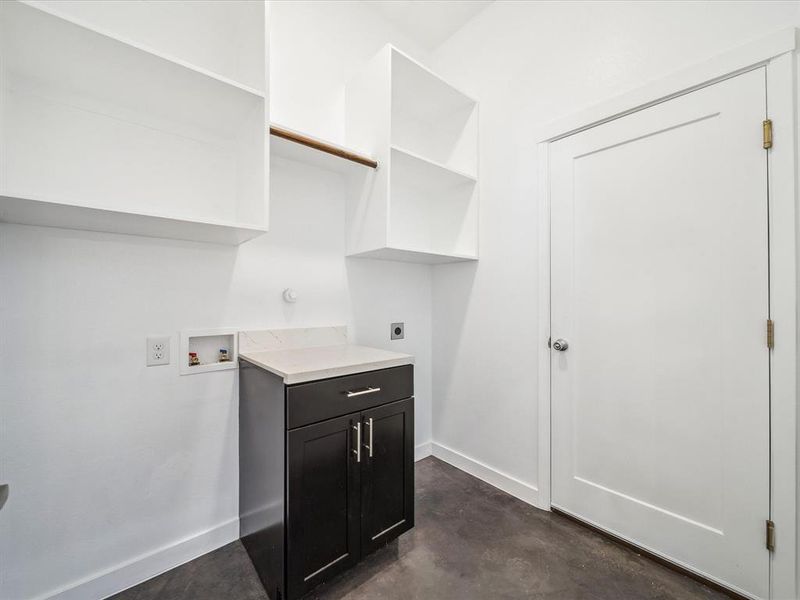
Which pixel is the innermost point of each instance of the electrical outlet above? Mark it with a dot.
(398, 331)
(157, 351)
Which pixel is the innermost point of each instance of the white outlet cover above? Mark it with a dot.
(157, 351)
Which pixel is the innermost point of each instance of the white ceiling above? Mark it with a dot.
(429, 22)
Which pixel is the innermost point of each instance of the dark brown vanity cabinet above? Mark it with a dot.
(347, 483)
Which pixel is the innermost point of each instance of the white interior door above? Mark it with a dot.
(660, 404)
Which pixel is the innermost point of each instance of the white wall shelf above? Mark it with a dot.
(423, 207)
(102, 134)
(414, 256)
(35, 211)
(207, 343)
(440, 176)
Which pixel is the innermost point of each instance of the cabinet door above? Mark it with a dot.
(387, 475)
(323, 484)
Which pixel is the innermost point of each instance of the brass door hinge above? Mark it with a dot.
(767, 134)
(770, 334)
(770, 536)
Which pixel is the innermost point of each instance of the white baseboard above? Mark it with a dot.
(422, 451)
(511, 485)
(142, 568)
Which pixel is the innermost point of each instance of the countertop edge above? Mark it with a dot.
(291, 379)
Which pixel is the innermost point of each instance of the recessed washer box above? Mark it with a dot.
(207, 343)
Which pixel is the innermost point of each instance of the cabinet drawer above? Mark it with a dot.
(319, 400)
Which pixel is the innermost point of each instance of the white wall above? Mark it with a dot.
(529, 63)
(118, 471)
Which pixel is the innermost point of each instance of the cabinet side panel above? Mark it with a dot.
(261, 473)
(367, 124)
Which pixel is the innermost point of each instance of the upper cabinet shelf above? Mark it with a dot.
(102, 134)
(423, 207)
(434, 174)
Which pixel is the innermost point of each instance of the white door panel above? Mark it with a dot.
(660, 406)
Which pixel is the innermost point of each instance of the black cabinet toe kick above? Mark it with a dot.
(326, 472)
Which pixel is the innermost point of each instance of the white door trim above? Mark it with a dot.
(777, 53)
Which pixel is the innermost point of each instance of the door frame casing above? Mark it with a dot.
(776, 52)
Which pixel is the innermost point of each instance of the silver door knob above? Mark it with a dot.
(560, 345)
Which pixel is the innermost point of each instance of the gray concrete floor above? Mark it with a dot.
(471, 541)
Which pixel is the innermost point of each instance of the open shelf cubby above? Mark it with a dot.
(103, 135)
(423, 206)
(431, 118)
(433, 210)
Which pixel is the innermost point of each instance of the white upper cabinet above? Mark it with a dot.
(109, 123)
(224, 38)
(422, 203)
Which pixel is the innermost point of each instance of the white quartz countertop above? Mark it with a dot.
(298, 365)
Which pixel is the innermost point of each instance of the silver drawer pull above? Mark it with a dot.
(369, 390)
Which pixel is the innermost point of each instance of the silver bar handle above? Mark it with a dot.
(370, 437)
(357, 451)
(369, 390)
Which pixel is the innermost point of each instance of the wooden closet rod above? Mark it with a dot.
(299, 138)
